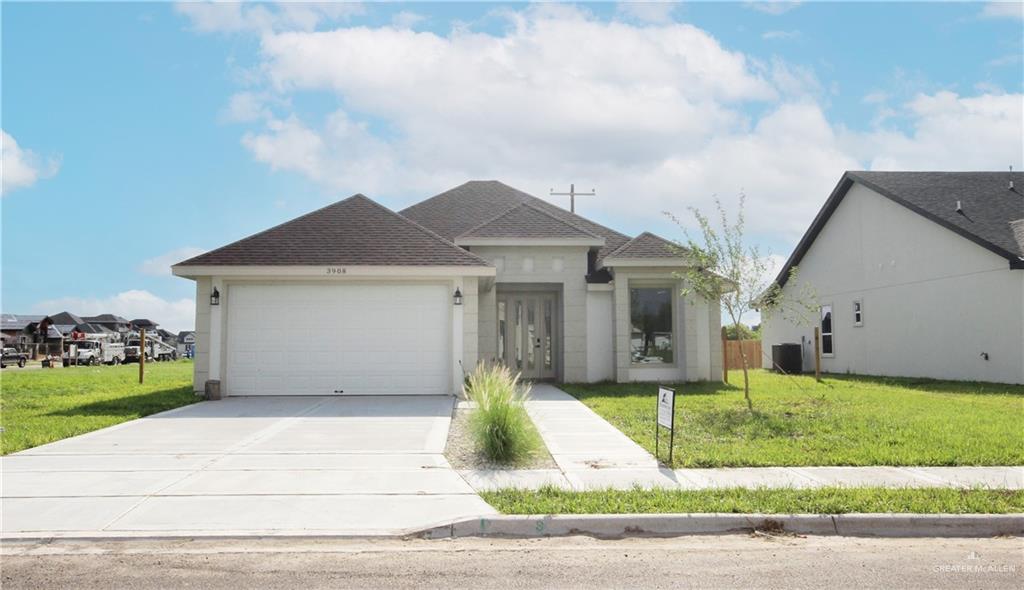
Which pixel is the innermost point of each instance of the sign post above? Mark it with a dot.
(666, 419)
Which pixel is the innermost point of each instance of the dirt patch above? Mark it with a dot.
(461, 454)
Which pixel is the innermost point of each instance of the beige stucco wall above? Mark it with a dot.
(539, 265)
(698, 344)
(201, 367)
(470, 324)
(600, 333)
(933, 301)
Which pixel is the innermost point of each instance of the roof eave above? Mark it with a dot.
(329, 272)
(615, 261)
(510, 241)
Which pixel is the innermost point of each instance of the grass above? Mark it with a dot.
(502, 430)
(43, 405)
(834, 500)
(845, 420)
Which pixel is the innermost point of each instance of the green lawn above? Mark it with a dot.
(845, 420)
(764, 501)
(43, 405)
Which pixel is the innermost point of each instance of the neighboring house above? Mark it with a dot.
(168, 337)
(355, 298)
(18, 328)
(186, 344)
(917, 274)
(144, 324)
(59, 325)
(114, 323)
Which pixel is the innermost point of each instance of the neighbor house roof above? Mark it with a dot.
(352, 232)
(456, 211)
(527, 221)
(988, 207)
(17, 321)
(647, 245)
(105, 318)
(65, 318)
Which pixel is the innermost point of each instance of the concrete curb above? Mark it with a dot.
(669, 525)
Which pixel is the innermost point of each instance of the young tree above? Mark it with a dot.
(725, 268)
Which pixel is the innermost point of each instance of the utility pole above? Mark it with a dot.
(572, 194)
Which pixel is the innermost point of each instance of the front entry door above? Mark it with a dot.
(528, 334)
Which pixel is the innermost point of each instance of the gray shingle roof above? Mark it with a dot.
(988, 207)
(528, 221)
(466, 206)
(353, 232)
(647, 245)
(17, 321)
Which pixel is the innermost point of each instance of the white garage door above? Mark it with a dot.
(308, 339)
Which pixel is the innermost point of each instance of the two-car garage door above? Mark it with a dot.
(331, 339)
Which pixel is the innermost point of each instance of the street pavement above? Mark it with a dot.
(735, 561)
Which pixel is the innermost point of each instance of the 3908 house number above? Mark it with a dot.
(335, 270)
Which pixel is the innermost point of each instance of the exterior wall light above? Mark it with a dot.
(215, 297)
(458, 296)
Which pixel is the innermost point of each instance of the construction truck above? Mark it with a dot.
(156, 350)
(92, 352)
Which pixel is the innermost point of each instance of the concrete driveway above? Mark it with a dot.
(268, 466)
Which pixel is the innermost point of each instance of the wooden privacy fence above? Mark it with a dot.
(751, 348)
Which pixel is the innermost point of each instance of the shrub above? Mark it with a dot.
(501, 427)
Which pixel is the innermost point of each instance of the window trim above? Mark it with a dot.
(821, 331)
(858, 310)
(654, 284)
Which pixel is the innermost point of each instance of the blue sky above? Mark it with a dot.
(136, 134)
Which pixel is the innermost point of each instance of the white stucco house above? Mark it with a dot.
(357, 299)
(917, 274)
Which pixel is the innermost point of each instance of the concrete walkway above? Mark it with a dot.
(593, 454)
(254, 466)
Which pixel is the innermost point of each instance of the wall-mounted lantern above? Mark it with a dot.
(458, 296)
(215, 297)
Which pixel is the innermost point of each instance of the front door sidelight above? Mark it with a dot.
(527, 333)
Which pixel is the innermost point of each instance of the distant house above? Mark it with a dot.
(18, 328)
(114, 323)
(187, 344)
(168, 337)
(60, 325)
(917, 274)
(144, 324)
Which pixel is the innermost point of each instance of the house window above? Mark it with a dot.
(826, 331)
(651, 334)
(858, 312)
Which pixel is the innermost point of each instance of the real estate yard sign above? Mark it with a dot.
(666, 419)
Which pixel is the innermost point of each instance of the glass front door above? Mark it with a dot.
(527, 334)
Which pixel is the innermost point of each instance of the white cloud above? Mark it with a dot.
(407, 19)
(174, 316)
(648, 12)
(21, 167)
(774, 7)
(875, 97)
(244, 107)
(655, 117)
(160, 266)
(950, 132)
(780, 35)
(1013, 10)
(239, 17)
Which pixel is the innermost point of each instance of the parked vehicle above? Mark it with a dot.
(155, 350)
(11, 356)
(93, 352)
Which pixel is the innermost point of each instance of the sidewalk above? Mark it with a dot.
(593, 454)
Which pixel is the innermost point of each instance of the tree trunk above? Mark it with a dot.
(745, 364)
